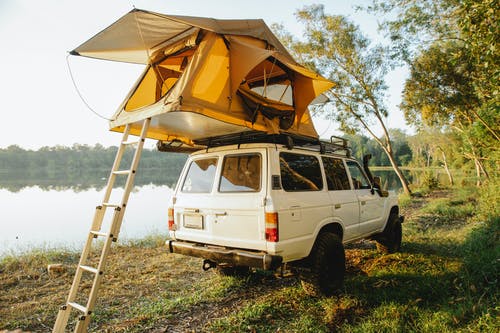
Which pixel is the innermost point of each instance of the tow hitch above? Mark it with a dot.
(207, 264)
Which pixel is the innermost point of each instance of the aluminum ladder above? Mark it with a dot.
(108, 237)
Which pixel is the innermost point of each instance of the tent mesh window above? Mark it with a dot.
(268, 89)
(159, 78)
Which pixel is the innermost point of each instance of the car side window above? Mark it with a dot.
(241, 173)
(300, 172)
(336, 174)
(200, 176)
(359, 179)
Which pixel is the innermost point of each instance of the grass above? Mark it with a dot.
(444, 280)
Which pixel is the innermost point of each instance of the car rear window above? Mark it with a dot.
(241, 173)
(300, 172)
(200, 176)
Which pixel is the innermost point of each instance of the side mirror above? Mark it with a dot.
(377, 185)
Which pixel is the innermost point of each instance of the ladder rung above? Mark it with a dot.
(98, 233)
(107, 204)
(121, 172)
(131, 142)
(77, 306)
(89, 269)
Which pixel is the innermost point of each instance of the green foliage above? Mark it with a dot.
(451, 48)
(478, 22)
(481, 251)
(151, 241)
(413, 24)
(451, 210)
(439, 88)
(34, 261)
(489, 201)
(404, 200)
(362, 145)
(429, 181)
(458, 207)
(80, 157)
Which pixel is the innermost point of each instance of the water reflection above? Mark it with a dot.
(39, 218)
(390, 180)
(15, 181)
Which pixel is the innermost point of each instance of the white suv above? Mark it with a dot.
(271, 200)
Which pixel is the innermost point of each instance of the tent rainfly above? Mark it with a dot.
(205, 77)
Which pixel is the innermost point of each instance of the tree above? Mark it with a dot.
(451, 48)
(434, 147)
(440, 93)
(478, 23)
(335, 47)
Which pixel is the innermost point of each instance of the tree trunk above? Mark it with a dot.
(387, 146)
(450, 177)
(479, 166)
(478, 173)
(400, 174)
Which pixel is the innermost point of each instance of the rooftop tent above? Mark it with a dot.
(206, 77)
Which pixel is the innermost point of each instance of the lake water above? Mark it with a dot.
(36, 214)
(36, 217)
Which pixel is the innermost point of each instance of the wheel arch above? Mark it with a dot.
(393, 211)
(334, 227)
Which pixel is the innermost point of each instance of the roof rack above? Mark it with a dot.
(335, 145)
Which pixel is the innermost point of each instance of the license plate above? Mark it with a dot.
(193, 221)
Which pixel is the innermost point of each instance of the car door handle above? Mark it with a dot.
(217, 214)
(337, 206)
(363, 203)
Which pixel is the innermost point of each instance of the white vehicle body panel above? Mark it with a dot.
(237, 220)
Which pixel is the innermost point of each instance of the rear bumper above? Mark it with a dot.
(226, 255)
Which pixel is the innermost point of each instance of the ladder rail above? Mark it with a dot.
(116, 164)
(95, 231)
(131, 177)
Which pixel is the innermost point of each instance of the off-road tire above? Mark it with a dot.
(237, 271)
(390, 239)
(327, 266)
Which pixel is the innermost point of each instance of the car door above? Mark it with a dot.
(303, 202)
(220, 200)
(238, 210)
(344, 202)
(370, 205)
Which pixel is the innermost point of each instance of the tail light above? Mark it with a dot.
(272, 234)
(171, 223)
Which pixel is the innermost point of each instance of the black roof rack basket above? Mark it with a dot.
(336, 144)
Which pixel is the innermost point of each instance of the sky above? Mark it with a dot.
(38, 101)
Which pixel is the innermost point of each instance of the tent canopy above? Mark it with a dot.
(206, 77)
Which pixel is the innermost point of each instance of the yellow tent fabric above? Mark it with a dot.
(206, 77)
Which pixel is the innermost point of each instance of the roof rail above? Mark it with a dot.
(335, 145)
